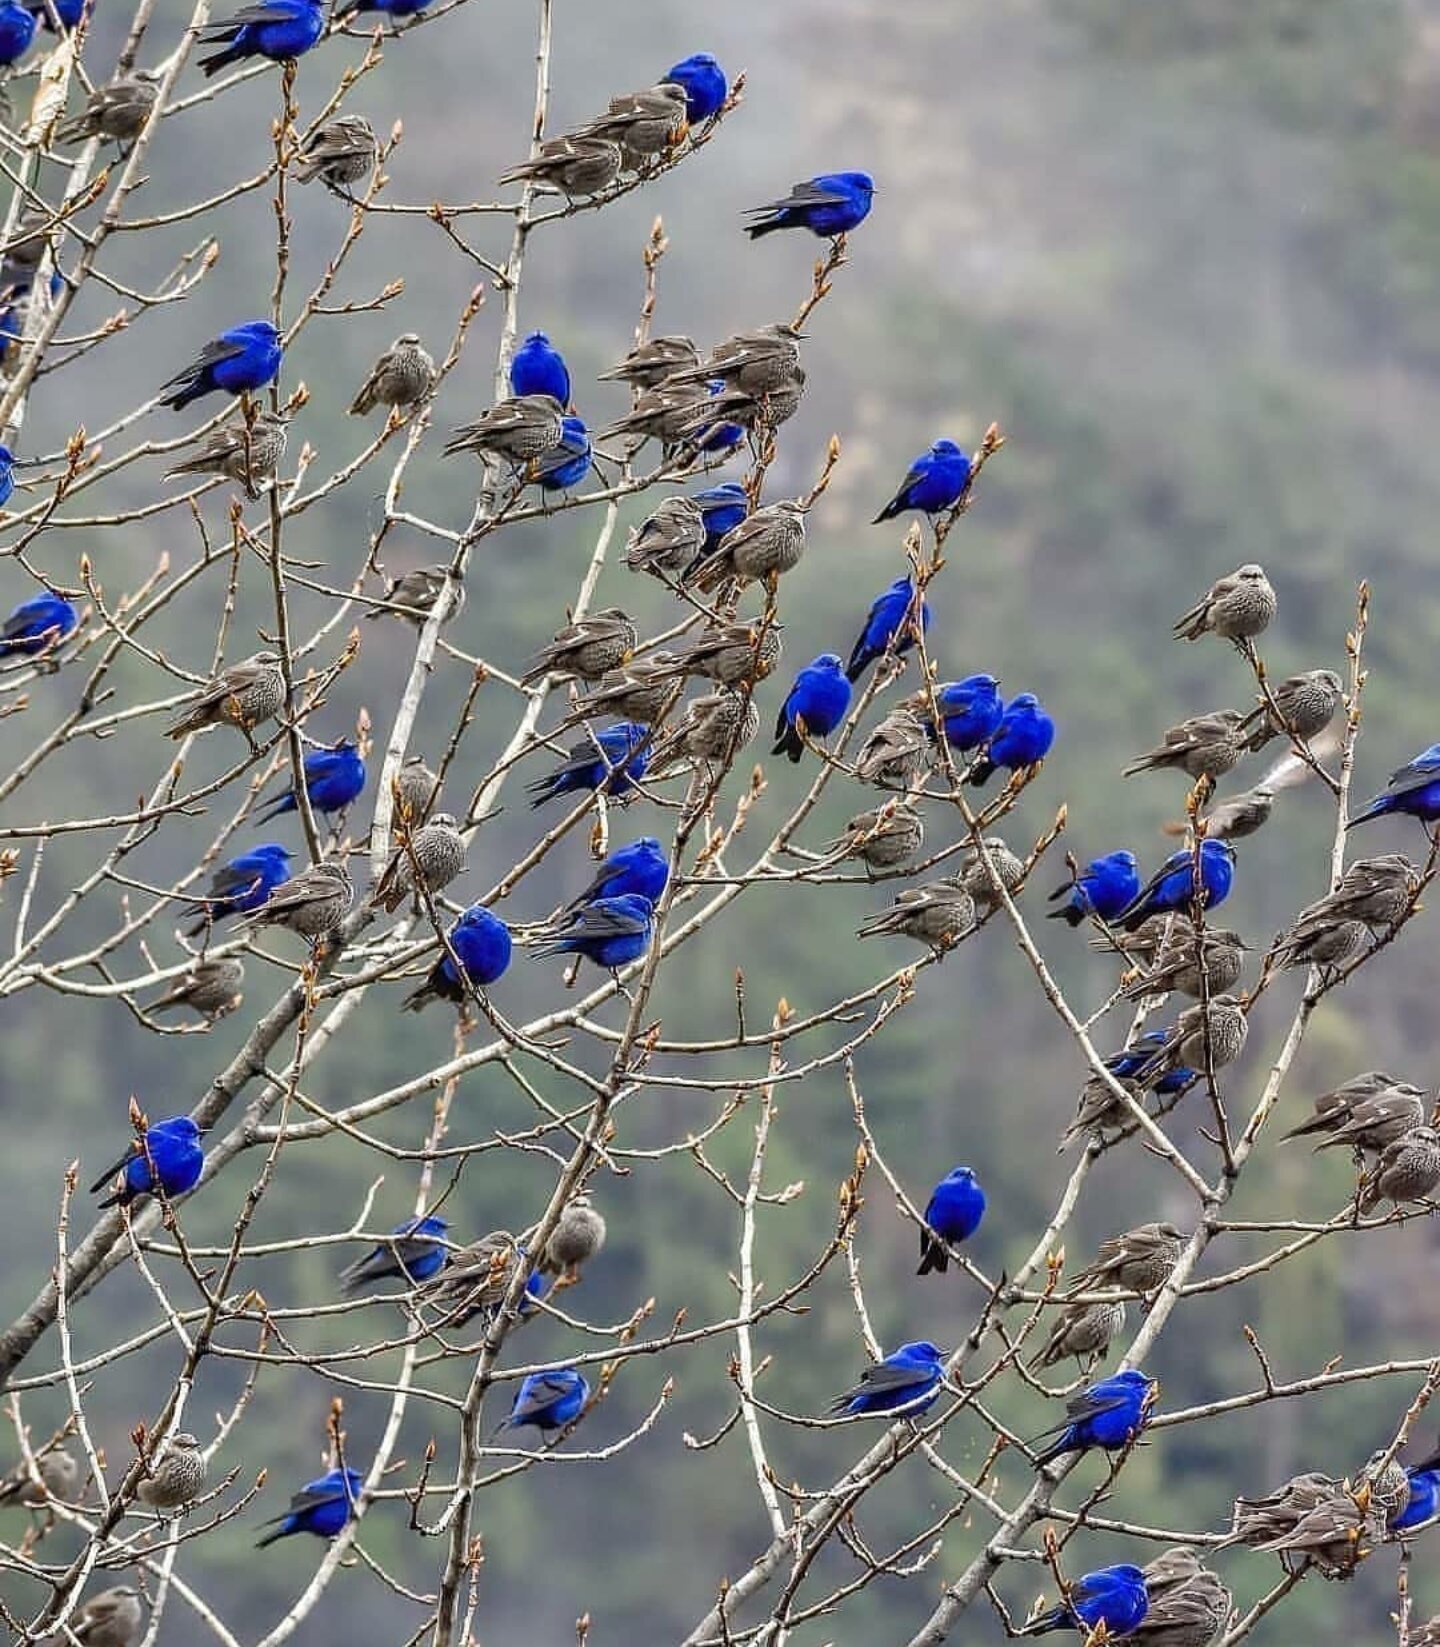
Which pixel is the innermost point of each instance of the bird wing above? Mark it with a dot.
(545, 1389)
(264, 11)
(808, 193)
(106, 1176)
(604, 920)
(212, 354)
(1087, 1404)
(886, 1377)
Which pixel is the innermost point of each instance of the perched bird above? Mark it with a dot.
(59, 1472)
(720, 421)
(1306, 705)
(569, 463)
(1022, 739)
(323, 1507)
(1205, 746)
(519, 430)
(613, 760)
(1367, 1112)
(975, 878)
(1238, 607)
(1320, 942)
(1408, 1170)
(952, 1215)
(1413, 791)
(704, 84)
(578, 1235)
(242, 695)
(482, 944)
(936, 482)
(311, 904)
(1209, 1034)
(938, 914)
(1134, 1057)
(117, 111)
(722, 508)
(476, 1279)
(413, 1252)
(611, 932)
(1312, 1517)
(1422, 1503)
(829, 205)
(538, 368)
(1187, 954)
(897, 753)
(644, 690)
(1099, 1110)
(732, 653)
(176, 1476)
(587, 648)
(1081, 1330)
(907, 1381)
(815, 705)
(334, 777)
(890, 627)
(1377, 891)
(882, 839)
(113, 1618)
(417, 591)
(638, 868)
(1237, 816)
(971, 710)
(341, 153)
(211, 988)
(37, 625)
(1109, 1414)
(243, 452)
(1102, 889)
(1188, 1603)
(240, 360)
(1113, 1596)
(644, 123)
(431, 858)
(281, 30)
(575, 165)
(1139, 1260)
(667, 540)
(7, 475)
(758, 362)
(714, 727)
(547, 1401)
(17, 31)
(415, 787)
(766, 544)
(665, 413)
(1172, 887)
(402, 377)
(241, 885)
(653, 361)
(170, 1155)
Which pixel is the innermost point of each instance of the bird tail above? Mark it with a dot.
(1049, 1454)
(788, 741)
(1376, 809)
(981, 772)
(188, 390)
(858, 664)
(281, 803)
(768, 226)
(889, 512)
(114, 1198)
(1055, 1619)
(212, 66)
(276, 1533)
(1071, 914)
(933, 1254)
(418, 999)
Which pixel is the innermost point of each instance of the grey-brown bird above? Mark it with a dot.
(732, 653)
(341, 153)
(59, 1472)
(1377, 891)
(243, 452)
(766, 544)
(475, 1279)
(113, 1618)
(1099, 1111)
(578, 1235)
(211, 987)
(243, 695)
(746, 407)
(650, 363)
(884, 838)
(576, 165)
(1306, 704)
(176, 1477)
(417, 591)
(587, 648)
(1367, 1113)
(1189, 1605)
(517, 430)
(1178, 956)
(1217, 1028)
(311, 904)
(402, 377)
(1205, 746)
(643, 690)
(432, 857)
(414, 788)
(758, 362)
(644, 123)
(1082, 1331)
(117, 111)
(668, 539)
(1237, 816)
(1237, 607)
(662, 413)
(1319, 942)
(976, 880)
(1408, 1170)
(714, 728)
(1138, 1260)
(897, 754)
(939, 914)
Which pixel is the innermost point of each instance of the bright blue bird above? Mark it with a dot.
(1172, 886)
(334, 778)
(971, 710)
(1108, 1415)
(322, 1507)
(1023, 738)
(17, 30)
(241, 885)
(68, 11)
(172, 1147)
(570, 461)
(611, 932)
(387, 8)
(37, 625)
(909, 1379)
(829, 205)
(889, 625)
(245, 358)
(817, 703)
(7, 470)
(952, 1215)
(482, 944)
(616, 766)
(414, 1252)
(1114, 1596)
(1133, 1058)
(538, 368)
(277, 29)
(1424, 1505)
(548, 1401)
(722, 508)
(1105, 887)
(705, 85)
(936, 482)
(1413, 791)
(639, 869)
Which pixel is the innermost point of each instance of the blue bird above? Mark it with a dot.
(547, 1400)
(7, 468)
(537, 1289)
(15, 298)
(971, 709)
(241, 885)
(482, 944)
(172, 1147)
(1109, 1415)
(245, 358)
(639, 869)
(569, 463)
(722, 508)
(1424, 1504)
(829, 205)
(387, 8)
(706, 87)
(817, 703)
(952, 1215)
(334, 777)
(714, 439)
(1022, 739)
(17, 30)
(909, 1379)
(1412, 792)
(936, 482)
(890, 624)
(1114, 1596)
(1172, 886)
(322, 1507)
(611, 932)
(538, 368)
(616, 766)
(1105, 887)
(278, 29)
(68, 11)
(37, 625)
(1133, 1058)
(414, 1252)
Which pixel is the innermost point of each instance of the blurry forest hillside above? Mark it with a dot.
(1187, 255)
